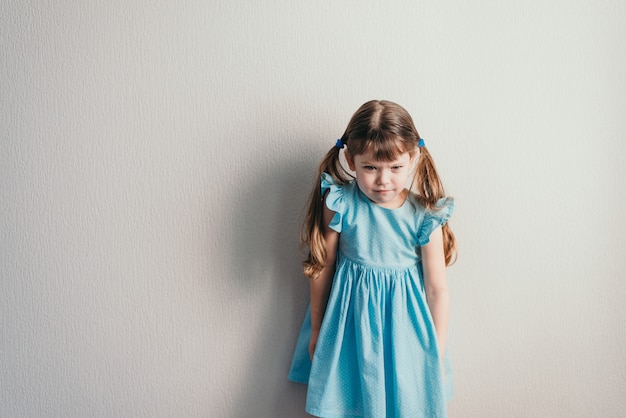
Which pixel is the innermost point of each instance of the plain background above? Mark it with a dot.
(155, 158)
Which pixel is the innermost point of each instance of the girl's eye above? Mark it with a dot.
(370, 167)
(397, 167)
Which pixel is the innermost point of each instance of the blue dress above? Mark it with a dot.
(377, 352)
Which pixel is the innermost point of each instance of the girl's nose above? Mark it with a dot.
(383, 177)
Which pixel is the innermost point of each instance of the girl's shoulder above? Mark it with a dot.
(339, 198)
(331, 186)
(429, 219)
(336, 193)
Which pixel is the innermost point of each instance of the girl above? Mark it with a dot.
(373, 340)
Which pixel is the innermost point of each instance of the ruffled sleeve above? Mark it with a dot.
(334, 200)
(435, 218)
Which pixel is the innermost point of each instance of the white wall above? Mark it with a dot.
(155, 157)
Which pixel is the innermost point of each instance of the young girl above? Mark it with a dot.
(374, 337)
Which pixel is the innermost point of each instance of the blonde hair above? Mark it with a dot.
(387, 131)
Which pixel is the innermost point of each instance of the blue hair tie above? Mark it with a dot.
(339, 144)
(421, 143)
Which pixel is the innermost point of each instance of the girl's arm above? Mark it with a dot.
(320, 287)
(436, 284)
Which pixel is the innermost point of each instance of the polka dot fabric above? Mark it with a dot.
(377, 353)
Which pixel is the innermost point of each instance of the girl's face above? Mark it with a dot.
(383, 182)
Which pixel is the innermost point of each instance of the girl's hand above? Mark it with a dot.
(313, 343)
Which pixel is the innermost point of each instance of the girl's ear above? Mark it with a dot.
(350, 160)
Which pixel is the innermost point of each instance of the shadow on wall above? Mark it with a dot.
(266, 263)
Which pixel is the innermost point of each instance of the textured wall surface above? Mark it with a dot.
(155, 157)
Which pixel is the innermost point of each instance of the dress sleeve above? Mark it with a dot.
(435, 218)
(334, 200)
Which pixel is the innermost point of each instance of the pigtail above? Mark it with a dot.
(430, 190)
(311, 234)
